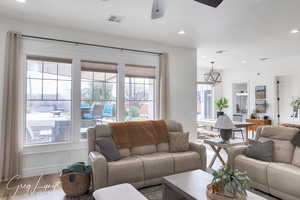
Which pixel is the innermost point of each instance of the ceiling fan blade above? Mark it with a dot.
(158, 9)
(212, 3)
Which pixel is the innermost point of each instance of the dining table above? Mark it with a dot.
(245, 125)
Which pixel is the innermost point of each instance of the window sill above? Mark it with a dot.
(54, 147)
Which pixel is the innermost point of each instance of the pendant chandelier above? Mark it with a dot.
(213, 77)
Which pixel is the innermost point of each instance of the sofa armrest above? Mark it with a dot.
(233, 152)
(201, 150)
(99, 166)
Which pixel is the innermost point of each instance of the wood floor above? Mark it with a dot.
(48, 187)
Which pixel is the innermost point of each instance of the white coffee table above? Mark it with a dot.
(191, 186)
(122, 191)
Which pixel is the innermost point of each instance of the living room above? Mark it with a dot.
(68, 69)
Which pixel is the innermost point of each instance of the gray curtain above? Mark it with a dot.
(10, 137)
(161, 104)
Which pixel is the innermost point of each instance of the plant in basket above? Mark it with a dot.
(230, 182)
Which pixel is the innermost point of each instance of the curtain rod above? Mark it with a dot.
(89, 44)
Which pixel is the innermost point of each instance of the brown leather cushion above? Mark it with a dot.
(179, 142)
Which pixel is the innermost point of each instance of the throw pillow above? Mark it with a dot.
(179, 142)
(296, 140)
(260, 150)
(108, 148)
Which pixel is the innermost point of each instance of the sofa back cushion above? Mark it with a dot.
(283, 150)
(163, 147)
(296, 159)
(142, 150)
(179, 141)
(125, 152)
(101, 131)
(279, 133)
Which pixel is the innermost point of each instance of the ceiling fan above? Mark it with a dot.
(159, 6)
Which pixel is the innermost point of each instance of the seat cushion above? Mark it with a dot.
(122, 191)
(157, 165)
(285, 178)
(186, 161)
(296, 159)
(126, 170)
(256, 170)
(142, 150)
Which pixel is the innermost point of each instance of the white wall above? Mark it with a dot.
(289, 90)
(254, 77)
(181, 94)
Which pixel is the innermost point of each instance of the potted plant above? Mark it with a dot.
(221, 104)
(229, 182)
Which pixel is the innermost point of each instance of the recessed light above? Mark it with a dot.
(244, 61)
(203, 57)
(181, 32)
(294, 31)
(21, 1)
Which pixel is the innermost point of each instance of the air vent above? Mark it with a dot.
(115, 19)
(221, 51)
(264, 59)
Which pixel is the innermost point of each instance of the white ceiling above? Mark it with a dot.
(247, 29)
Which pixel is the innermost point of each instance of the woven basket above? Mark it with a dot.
(75, 184)
(215, 196)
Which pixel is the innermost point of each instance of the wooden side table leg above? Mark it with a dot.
(217, 155)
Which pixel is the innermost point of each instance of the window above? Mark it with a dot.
(98, 94)
(139, 93)
(204, 101)
(49, 97)
(48, 100)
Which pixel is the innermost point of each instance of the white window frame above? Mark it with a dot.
(154, 96)
(77, 54)
(212, 98)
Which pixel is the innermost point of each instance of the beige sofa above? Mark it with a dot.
(144, 165)
(281, 177)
